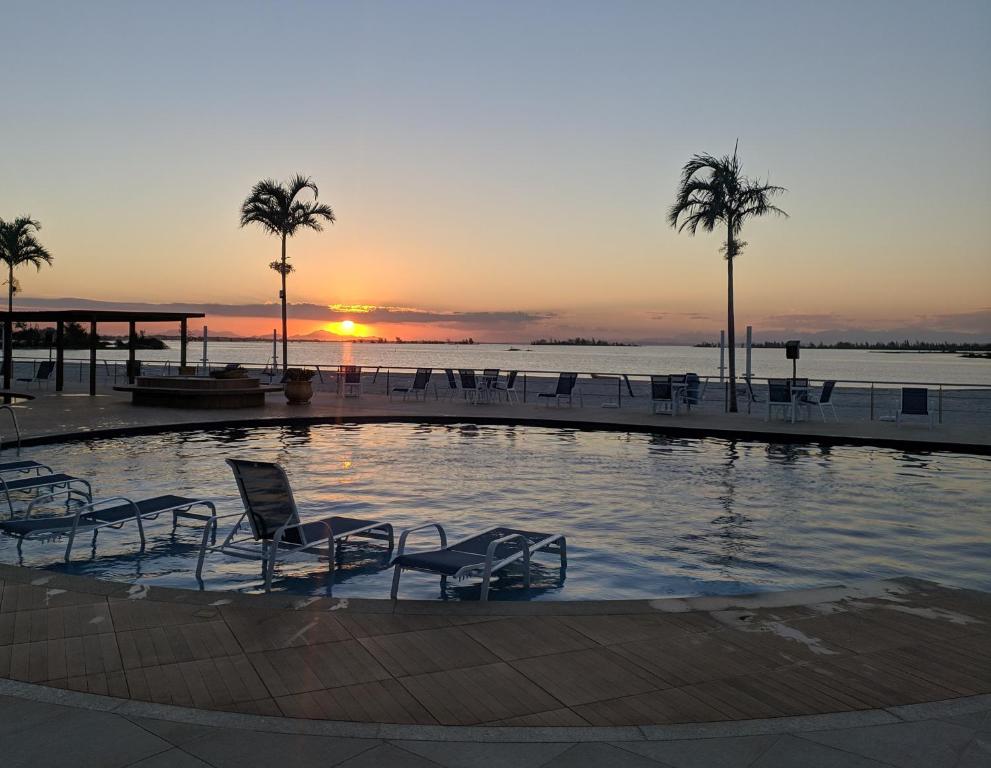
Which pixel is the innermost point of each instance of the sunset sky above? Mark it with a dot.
(503, 170)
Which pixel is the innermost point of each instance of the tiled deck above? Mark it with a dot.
(526, 664)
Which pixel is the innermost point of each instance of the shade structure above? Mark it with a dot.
(60, 317)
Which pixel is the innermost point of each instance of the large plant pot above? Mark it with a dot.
(299, 392)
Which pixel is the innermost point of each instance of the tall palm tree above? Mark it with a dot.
(19, 246)
(278, 210)
(713, 191)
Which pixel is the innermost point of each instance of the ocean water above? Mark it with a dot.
(845, 365)
(645, 515)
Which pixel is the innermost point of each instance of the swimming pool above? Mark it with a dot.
(645, 515)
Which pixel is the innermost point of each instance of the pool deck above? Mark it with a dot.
(75, 414)
(894, 672)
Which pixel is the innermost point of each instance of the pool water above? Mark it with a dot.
(645, 515)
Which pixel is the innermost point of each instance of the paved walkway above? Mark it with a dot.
(56, 414)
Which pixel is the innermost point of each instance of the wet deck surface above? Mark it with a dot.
(879, 645)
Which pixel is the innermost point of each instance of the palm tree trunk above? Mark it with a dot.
(10, 287)
(731, 317)
(285, 341)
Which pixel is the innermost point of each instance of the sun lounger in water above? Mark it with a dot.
(275, 526)
(24, 467)
(53, 481)
(480, 555)
(105, 513)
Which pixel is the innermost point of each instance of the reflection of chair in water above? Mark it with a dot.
(271, 513)
(915, 402)
(480, 555)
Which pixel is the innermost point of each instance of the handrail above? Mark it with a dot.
(261, 366)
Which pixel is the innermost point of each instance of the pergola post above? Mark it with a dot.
(59, 356)
(182, 342)
(92, 357)
(131, 342)
(8, 351)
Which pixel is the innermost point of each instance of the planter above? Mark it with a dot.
(299, 392)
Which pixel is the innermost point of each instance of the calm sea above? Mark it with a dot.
(848, 365)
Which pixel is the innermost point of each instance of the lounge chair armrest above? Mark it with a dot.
(407, 531)
(490, 554)
(68, 492)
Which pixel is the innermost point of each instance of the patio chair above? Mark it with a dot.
(352, 380)
(662, 396)
(470, 386)
(779, 396)
(915, 402)
(747, 389)
(490, 382)
(564, 390)
(41, 376)
(823, 400)
(694, 391)
(35, 484)
(418, 389)
(275, 525)
(480, 555)
(510, 389)
(452, 383)
(114, 512)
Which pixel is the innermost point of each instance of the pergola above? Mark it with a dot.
(60, 317)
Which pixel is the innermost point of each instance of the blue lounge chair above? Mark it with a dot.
(823, 400)
(480, 555)
(42, 376)
(114, 512)
(24, 467)
(563, 391)
(275, 525)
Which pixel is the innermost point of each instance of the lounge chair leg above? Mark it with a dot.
(395, 581)
(484, 596)
(564, 553)
(443, 585)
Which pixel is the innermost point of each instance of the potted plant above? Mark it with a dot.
(299, 390)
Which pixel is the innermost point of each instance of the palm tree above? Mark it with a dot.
(713, 190)
(276, 208)
(19, 246)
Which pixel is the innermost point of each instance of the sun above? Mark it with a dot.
(347, 326)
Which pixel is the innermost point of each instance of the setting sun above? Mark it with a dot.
(347, 326)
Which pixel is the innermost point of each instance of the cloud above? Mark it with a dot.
(978, 321)
(681, 315)
(367, 314)
(806, 321)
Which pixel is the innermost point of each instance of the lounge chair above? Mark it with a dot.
(47, 482)
(418, 389)
(823, 400)
(915, 402)
(779, 396)
(42, 376)
(114, 512)
(748, 390)
(510, 389)
(480, 555)
(275, 525)
(564, 391)
(23, 467)
(662, 396)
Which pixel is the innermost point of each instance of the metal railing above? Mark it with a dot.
(115, 370)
